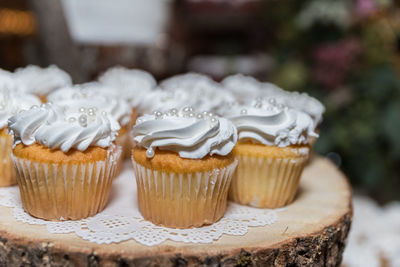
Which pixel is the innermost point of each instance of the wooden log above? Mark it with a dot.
(312, 231)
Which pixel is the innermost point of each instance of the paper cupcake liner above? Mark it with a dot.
(65, 191)
(7, 173)
(183, 200)
(266, 182)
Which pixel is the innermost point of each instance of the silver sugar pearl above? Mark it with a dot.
(91, 113)
(173, 111)
(281, 106)
(258, 104)
(91, 110)
(82, 110)
(72, 119)
(205, 113)
(83, 120)
(272, 101)
(139, 121)
(210, 114)
(104, 113)
(150, 152)
(158, 115)
(199, 116)
(243, 111)
(213, 119)
(191, 115)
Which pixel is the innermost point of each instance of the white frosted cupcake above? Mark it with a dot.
(102, 99)
(183, 166)
(42, 81)
(272, 151)
(202, 92)
(246, 89)
(131, 84)
(12, 101)
(65, 160)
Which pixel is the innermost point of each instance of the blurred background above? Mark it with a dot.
(344, 52)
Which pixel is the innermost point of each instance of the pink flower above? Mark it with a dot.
(364, 8)
(333, 61)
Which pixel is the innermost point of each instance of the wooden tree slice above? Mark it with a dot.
(311, 232)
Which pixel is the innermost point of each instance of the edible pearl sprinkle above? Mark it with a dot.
(158, 115)
(272, 101)
(82, 110)
(72, 119)
(243, 111)
(83, 120)
(104, 113)
(150, 152)
(200, 116)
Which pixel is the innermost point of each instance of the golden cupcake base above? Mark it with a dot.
(183, 200)
(269, 178)
(7, 173)
(65, 191)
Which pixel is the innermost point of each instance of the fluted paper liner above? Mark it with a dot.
(65, 191)
(7, 173)
(266, 182)
(183, 200)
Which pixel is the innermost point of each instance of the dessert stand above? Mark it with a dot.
(310, 231)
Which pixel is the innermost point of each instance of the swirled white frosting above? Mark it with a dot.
(199, 91)
(42, 81)
(95, 95)
(271, 124)
(186, 133)
(132, 84)
(186, 80)
(12, 102)
(62, 128)
(246, 88)
(163, 100)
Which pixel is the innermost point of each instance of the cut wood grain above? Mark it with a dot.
(312, 231)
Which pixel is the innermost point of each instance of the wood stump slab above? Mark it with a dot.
(312, 231)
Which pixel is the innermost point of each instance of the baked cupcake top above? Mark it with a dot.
(246, 88)
(13, 101)
(98, 97)
(63, 128)
(42, 81)
(271, 124)
(132, 84)
(191, 135)
(202, 92)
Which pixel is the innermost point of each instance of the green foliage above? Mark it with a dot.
(361, 90)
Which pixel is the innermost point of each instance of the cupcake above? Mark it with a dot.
(42, 81)
(246, 89)
(272, 151)
(183, 166)
(12, 101)
(131, 84)
(99, 98)
(65, 161)
(202, 92)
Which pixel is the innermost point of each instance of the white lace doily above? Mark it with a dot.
(121, 220)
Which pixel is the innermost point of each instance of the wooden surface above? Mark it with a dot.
(310, 232)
